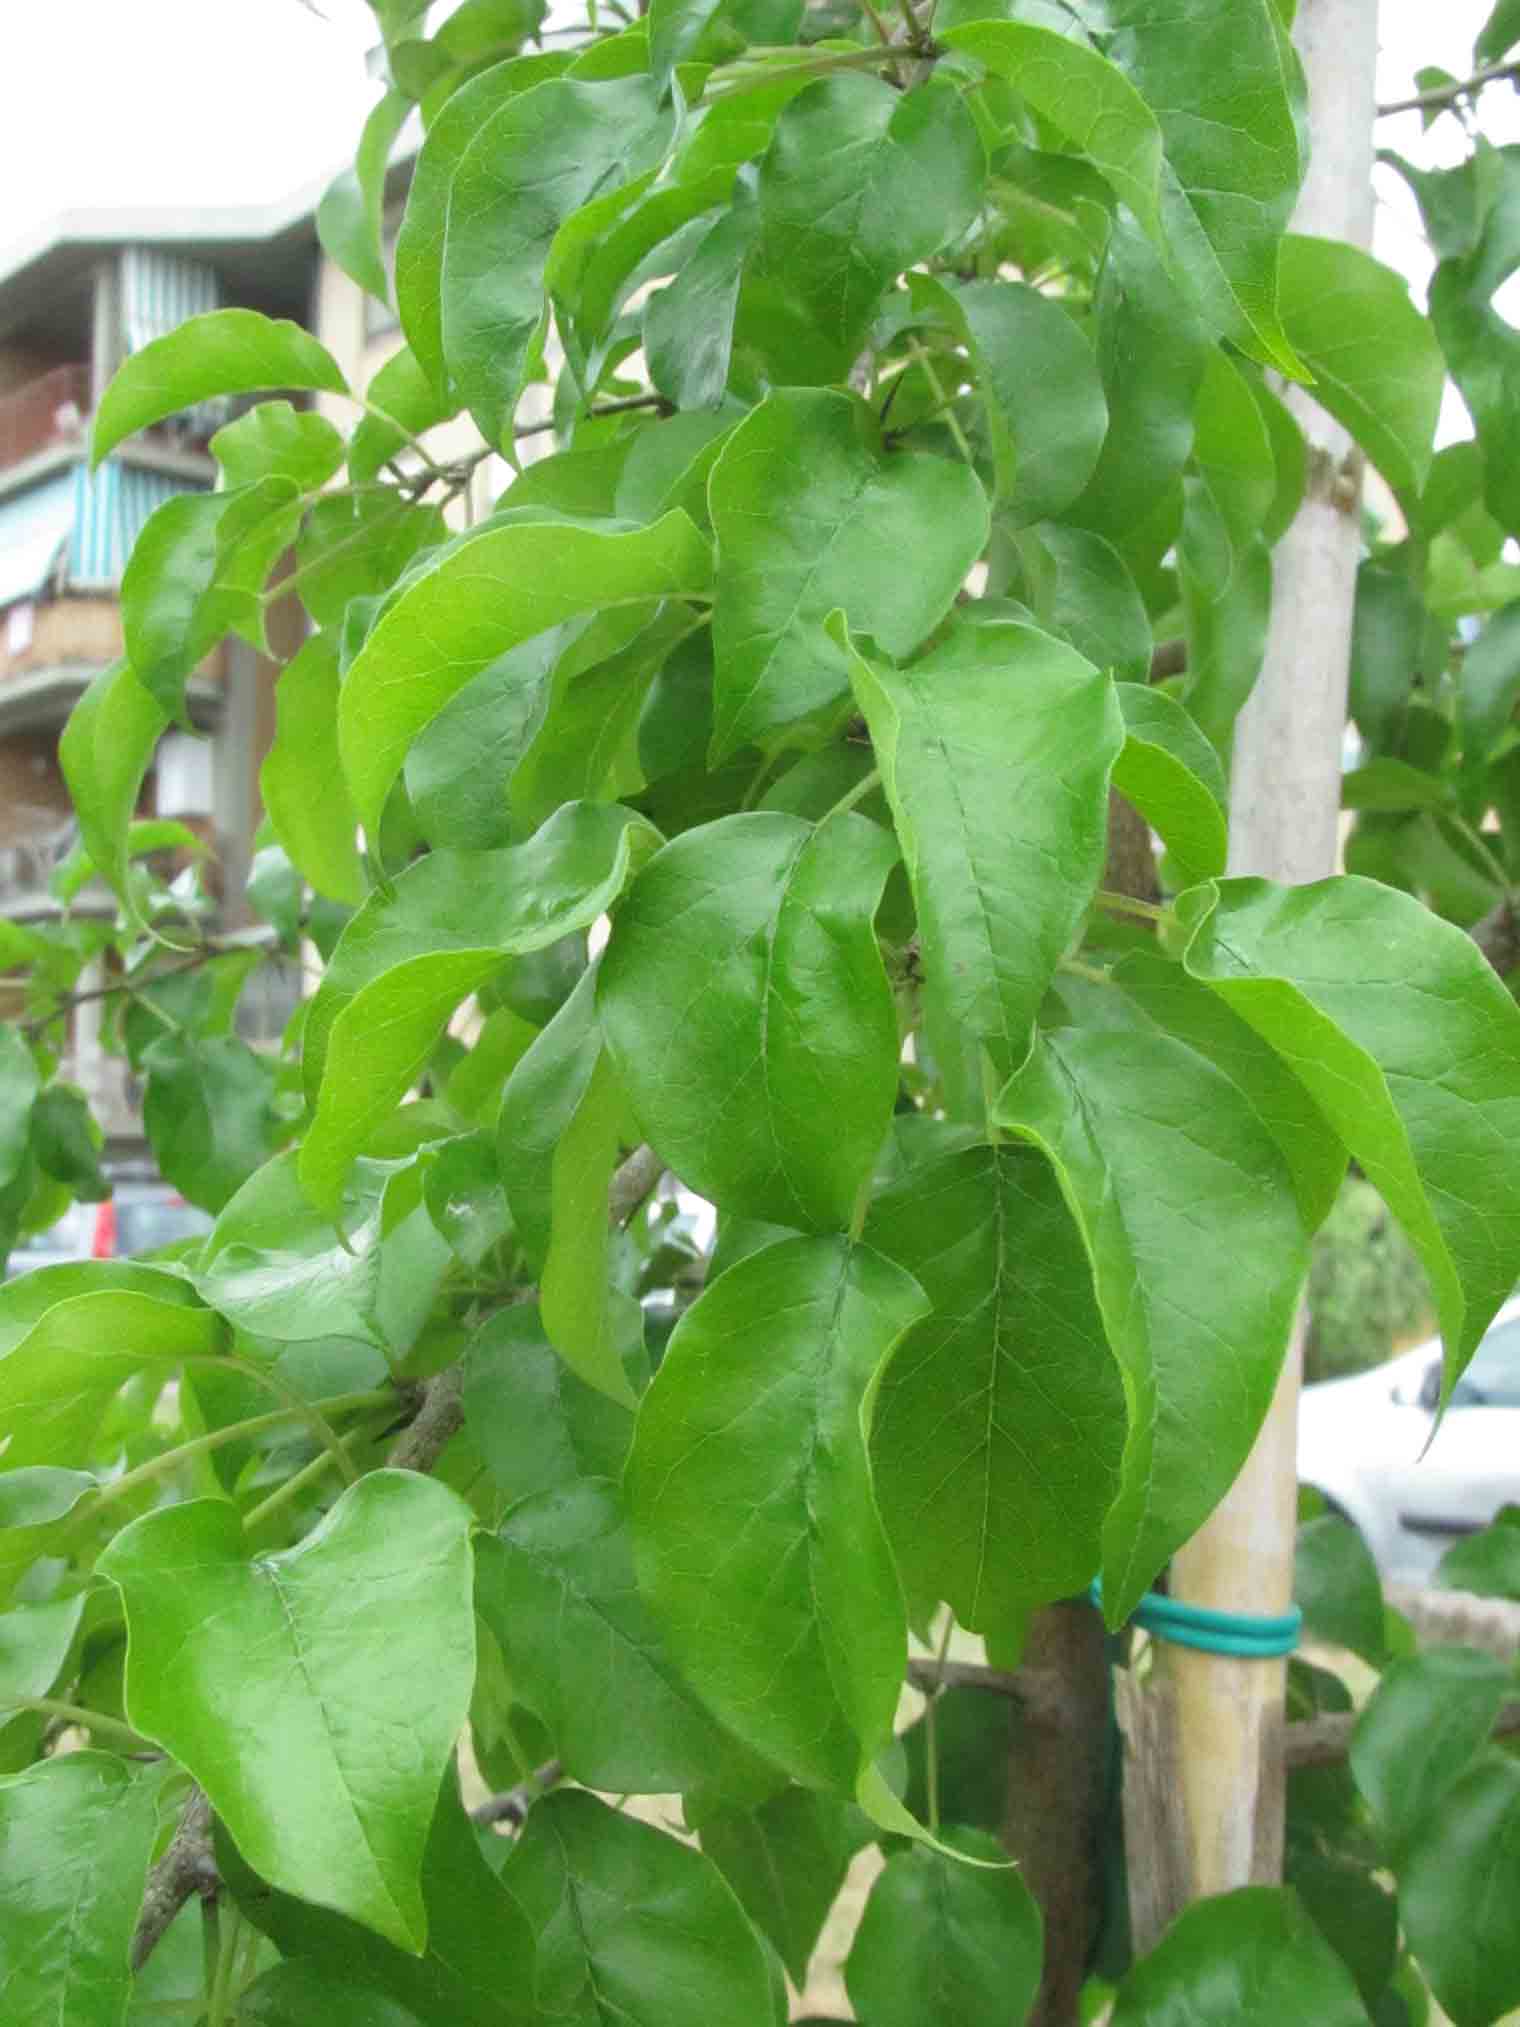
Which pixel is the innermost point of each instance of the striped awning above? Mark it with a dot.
(109, 508)
(35, 527)
(160, 290)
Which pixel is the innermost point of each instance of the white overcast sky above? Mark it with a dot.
(221, 101)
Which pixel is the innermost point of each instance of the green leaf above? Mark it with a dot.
(1226, 601)
(1427, 1720)
(1387, 649)
(1172, 775)
(1387, 784)
(76, 1834)
(942, 1940)
(556, 1587)
(236, 1668)
(1036, 372)
(590, 1326)
(1486, 1563)
(995, 750)
(351, 213)
(1226, 91)
(405, 394)
(546, 1087)
(407, 960)
(786, 1860)
(104, 753)
(811, 516)
(759, 927)
(36, 1500)
(1252, 1958)
(19, 1085)
(1084, 96)
(464, 1197)
(1416, 1064)
(689, 325)
(631, 1925)
(860, 183)
(356, 545)
(1337, 1587)
(224, 352)
(209, 1113)
(532, 163)
(420, 243)
(276, 440)
(1081, 590)
(1499, 33)
(1152, 353)
(1457, 1890)
(993, 1479)
(71, 1336)
(276, 1267)
(1142, 1127)
(477, 1970)
(293, 1994)
(537, 1425)
(1377, 366)
(301, 781)
(490, 592)
(755, 1527)
(1490, 682)
(35, 1644)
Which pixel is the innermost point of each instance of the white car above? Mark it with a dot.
(1362, 1443)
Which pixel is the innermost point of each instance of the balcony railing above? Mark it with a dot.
(47, 411)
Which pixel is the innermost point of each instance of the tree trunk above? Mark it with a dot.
(1210, 1729)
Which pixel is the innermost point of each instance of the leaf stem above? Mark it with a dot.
(307, 1475)
(74, 1713)
(1090, 972)
(1443, 95)
(1127, 904)
(221, 1992)
(952, 420)
(429, 463)
(931, 1735)
(747, 75)
(858, 793)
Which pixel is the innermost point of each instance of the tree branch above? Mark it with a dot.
(439, 1420)
(1498, 936)
(186, 1867)
(1443, 95)
(632, 1184)
(513, 1806)
(1320, 1741)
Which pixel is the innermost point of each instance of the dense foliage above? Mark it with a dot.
(731, 802)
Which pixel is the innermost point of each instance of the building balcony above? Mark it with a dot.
(48, 413)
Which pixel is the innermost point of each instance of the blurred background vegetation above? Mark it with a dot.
(1368, 1296)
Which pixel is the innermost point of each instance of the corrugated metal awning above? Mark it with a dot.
(109, 509)
(34, 527)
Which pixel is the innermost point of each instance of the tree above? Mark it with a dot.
(731, 804)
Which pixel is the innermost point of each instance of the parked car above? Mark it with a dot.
(141, 1215)
(1362, 1442)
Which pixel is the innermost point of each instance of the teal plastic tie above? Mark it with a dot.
(1240, 1634)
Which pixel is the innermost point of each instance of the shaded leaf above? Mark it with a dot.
(209, 1113)
(1252, 1957)
(1172, 775)
(1427, 1720)
(1337, 1587)
(350, 215)
(1457, 1889)
(301, 782)
(786, 1860)
(536, 1424)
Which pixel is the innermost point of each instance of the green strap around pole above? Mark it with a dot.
(1241, 1634)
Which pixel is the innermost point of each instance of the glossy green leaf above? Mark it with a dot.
(759, 928)
(407, 960)
(35, 1643)
(786, 1860)
(403, 403)
(301, 782)
(71, 1336)
(1414, 1060)
(37, 1502)
(209, 1113)
(76, 1834)
(1152, 352)
(236, 1666)
(19, 1085)
(350, 216)
(1081, 590)
(1427, 1720)
(756, 1533)
(104, 752)
(1226, 590)
(487, 594)
(860, 183)
(275, 1266)
(355, 545)
(537, 1425)
(1377, 366)
(1251, 1957)
(1038, 376)
(1488, 1562)
(1457, 1890)
(224, 352)
(995, 750)
(277, 440)
(1141, 1127)
(689, 326)
(556, 1587)
(1337, 1587)
(530, 165)
(477, 1969)
(424, 229)
(811, 516)
(1000, 1421)
(590, 1326)
(543, 1093)
(1232, 452)
(632, 1926)
(942, 1940)
(1172, 775)
(1084, 96)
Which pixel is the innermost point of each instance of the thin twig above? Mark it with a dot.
(439, 1420)
(632, 1184)
(1321, 1741)
(186, 1867)
(602, 408)
(1442, 95)
(513, 1806)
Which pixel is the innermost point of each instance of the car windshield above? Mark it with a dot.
(1493, 1378)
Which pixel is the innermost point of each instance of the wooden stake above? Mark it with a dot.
(1211, 1727)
